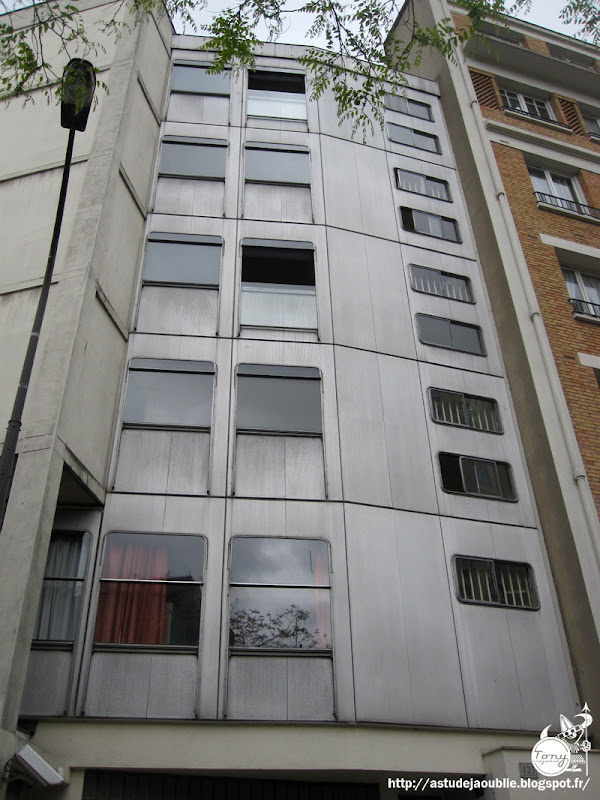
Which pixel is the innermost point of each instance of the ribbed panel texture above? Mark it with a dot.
(484, 89)
(571, 115)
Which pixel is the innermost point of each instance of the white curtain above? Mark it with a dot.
(60, 601)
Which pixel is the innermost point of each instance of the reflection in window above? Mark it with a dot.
(187, 157)
(498, 583)
(279, 595)
(169, 393)
(429, 224)
(191, 78)
(62, 589)
(404, 105)
(441, 332)
(413, 138)
(279, 95)
(150, 590)
(477, 476)
(444, 284)
(278, 284)
(421, 184)
(268, 162)
(183, 260)
(278, 399)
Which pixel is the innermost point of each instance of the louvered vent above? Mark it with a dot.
(484, 89)
(569, 110)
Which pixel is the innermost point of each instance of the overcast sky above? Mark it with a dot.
(543, 12)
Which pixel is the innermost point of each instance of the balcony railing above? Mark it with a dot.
(585, 307)
(537, 117)
(568, 205)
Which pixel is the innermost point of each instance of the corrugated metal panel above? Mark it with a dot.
(278, 203)
(47, 683)
(183, 311)
(279, 466)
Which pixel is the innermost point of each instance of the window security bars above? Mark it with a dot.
(422, 184)
(568, 205)
(443, 284)
(491, 582)
(465, 410)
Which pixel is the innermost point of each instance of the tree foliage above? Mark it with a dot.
(356, 61)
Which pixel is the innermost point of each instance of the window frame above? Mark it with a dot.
(593, 130)
(405, 211)
(415, 132)
(524, 107)
(390, 99)
(280, 651)
(496, 563)
(204, 67)
(478, 495)
(452, 322)
(146, 647)
(297, 149)
(427, 181)
(464, 396)
(193, 141)
(443, 274)
(585, 302)
(275, 91)
(192, 240)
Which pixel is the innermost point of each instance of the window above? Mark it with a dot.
(278, 284)
(441, 332)
(421, 184)
(476, 476)
(443, 284)
(183, 260)
(584, 292)
(192, 78)
(495, 583)
(267, 162)
(276, 94)
(62, 589)
(465, 410)
(429, 224)
(593, 125)
(186, 157)
(279, 399)
(150, 590)
(531, 106)
(164, 393)
(279, 594)
(412, 138)
(404, 105)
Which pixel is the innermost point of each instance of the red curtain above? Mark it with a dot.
(130, 612)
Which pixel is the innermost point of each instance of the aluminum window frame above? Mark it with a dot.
(462, 461)
(452, 322)
(443, 274)
(293, 149)
(496, 565)
(403, 105)
(407, 216)
(195, 142)
(414, 134)
(464, 396)
(428, 181)
(271, 92)
(220, 79)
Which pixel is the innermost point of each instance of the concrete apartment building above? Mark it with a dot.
(276, 525)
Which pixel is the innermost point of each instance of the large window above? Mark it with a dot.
(274, 399)
(559, 191)
(62, 590)
(584, 291)
(413, 138)
(276, 94)
(465, 410)
(150, 590)
(593, 126)
(442, 332)
(443, 284)
(495, 583)
(280, 595)
(192, 78)
(187, 157)
(524, 104)
(404, 105)
(421, 184)
(165, 393)
(183, 260)
(278, 284)
(479, 477)
(429, 224)
(268, 162)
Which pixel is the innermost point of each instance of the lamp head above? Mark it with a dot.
(77, 93)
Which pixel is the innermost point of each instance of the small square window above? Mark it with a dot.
(191, 78)
(182, 260)
(277, 163)
(274, 399)
(186, 157)
(413, 138)
(279, 95)
(478, 477)
(278, 284)
(421, 184)
(429, 224)
(442, 332)
(492, 582)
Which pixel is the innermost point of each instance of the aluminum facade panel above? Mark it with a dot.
(279, 466)
(47, 683)
(189, 197)
(178, 311)
(277, 203)
(198, 108)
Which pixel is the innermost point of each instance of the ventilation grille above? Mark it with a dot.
(484, 89)
(570, 111)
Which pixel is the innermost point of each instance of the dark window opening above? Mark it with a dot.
(290, 82)
(477, 476)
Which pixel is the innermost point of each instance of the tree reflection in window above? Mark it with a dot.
(280, 594)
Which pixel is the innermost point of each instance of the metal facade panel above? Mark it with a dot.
(362, 430)
(173, 685)
(174, 196)
(277, 203)
(47, 683)
(178, 311)
(380, 652)
(257, 687)
(188, 462)
(143, 463)
(279, 466)
(118, 685)
(198, 108)
(304, 468)
(209, 198)
(407, 445)
(310, 688)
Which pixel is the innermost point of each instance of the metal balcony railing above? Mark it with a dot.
(535, 116)
(585, 307)
(568, 205)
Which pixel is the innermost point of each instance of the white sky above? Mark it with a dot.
(543, 12)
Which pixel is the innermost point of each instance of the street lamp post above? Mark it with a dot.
(77, 92)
